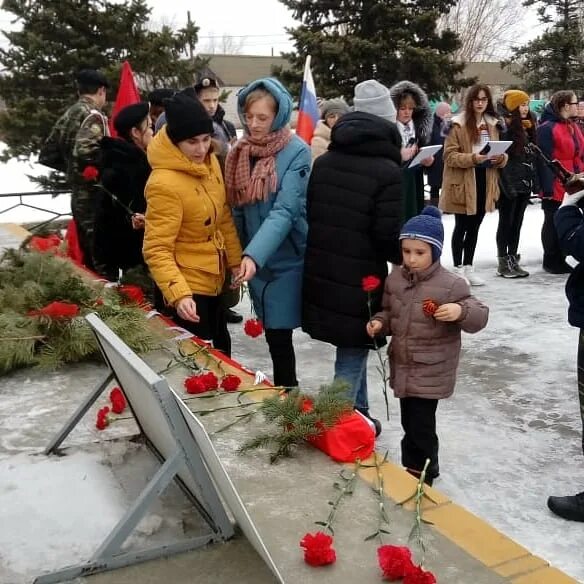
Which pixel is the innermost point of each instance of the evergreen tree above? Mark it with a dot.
(555, 59)
(388, 40)
(57, 38)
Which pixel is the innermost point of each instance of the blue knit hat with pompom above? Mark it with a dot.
(427, 226)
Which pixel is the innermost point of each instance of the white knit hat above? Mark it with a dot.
(373, 98)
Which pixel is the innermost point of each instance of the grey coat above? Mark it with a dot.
(424, 352)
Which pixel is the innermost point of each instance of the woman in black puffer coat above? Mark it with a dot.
(518, 180)
(354, 208)
(118, 235)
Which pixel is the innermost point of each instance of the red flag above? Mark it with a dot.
(127, 94)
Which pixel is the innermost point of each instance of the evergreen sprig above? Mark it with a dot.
(298, 417)
(30, 281)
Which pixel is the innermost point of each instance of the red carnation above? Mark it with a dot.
(395, 561)
(429, 307)
(102, 421)
(195, 384)
(370, 283)
(57, 310)
(417, 575)
(230, 382)
(318, 549)
(118, 400)
(90, 173)
(49, 243)
(132, 294)
(253, 327)
(210, 380)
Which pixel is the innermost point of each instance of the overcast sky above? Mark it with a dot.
(257, 25)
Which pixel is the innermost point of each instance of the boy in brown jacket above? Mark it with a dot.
(424, 309)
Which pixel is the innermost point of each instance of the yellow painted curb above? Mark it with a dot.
(546, 576)
(473, 535)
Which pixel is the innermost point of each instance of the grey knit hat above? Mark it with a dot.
(373, 98)
(334, 106)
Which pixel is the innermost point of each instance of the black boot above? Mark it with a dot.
(571, 508)
(375, 421)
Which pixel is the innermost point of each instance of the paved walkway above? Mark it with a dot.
(284, 499)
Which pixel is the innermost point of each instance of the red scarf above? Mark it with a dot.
(245, 186)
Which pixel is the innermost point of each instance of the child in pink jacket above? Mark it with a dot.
(425, 308)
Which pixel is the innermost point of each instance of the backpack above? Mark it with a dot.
(51, 153)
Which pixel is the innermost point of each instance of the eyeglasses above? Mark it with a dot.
(481, 99)
(573, 103)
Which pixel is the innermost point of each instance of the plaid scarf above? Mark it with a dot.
(244, 185)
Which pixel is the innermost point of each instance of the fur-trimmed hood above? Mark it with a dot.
(423, 117)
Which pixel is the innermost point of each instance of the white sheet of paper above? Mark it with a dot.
(424, 152)
(497, 147)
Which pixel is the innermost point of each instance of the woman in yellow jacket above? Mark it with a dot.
(190, 241)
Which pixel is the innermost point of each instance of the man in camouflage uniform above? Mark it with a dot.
(80, 130)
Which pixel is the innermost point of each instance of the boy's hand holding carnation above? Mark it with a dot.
(448, 312)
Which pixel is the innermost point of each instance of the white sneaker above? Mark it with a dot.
(459, 271)
(471, 277)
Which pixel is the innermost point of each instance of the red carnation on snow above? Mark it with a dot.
(417, 575)
(118, 400)
(90, 173)
(131, 293)
(395, 561)
(102, 421)
(370, 283)
(230, 382)
(429, 306)
(56, 310)
(318, 549)
(253, 327)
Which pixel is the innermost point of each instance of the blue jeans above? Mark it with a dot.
(351, 366)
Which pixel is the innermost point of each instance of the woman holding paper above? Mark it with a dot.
(470, 184)
(414, 122)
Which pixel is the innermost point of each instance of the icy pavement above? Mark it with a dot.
(511, 434)
(509, 437)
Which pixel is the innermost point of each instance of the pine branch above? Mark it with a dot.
(297, 418)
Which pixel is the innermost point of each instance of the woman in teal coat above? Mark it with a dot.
(266, 176)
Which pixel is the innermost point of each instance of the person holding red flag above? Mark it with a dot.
(128, 94)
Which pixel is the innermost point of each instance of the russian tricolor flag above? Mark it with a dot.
(308, 114)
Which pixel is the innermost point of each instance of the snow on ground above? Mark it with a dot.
(43, 502)
(509, 437)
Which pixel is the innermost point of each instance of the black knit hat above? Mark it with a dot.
(92, 78)
(185, 118)
(130, 117)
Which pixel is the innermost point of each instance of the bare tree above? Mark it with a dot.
(225, 45)
(486, 28)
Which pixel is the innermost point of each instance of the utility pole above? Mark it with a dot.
(189, 24)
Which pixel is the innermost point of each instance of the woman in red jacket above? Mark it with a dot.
(560, 138)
